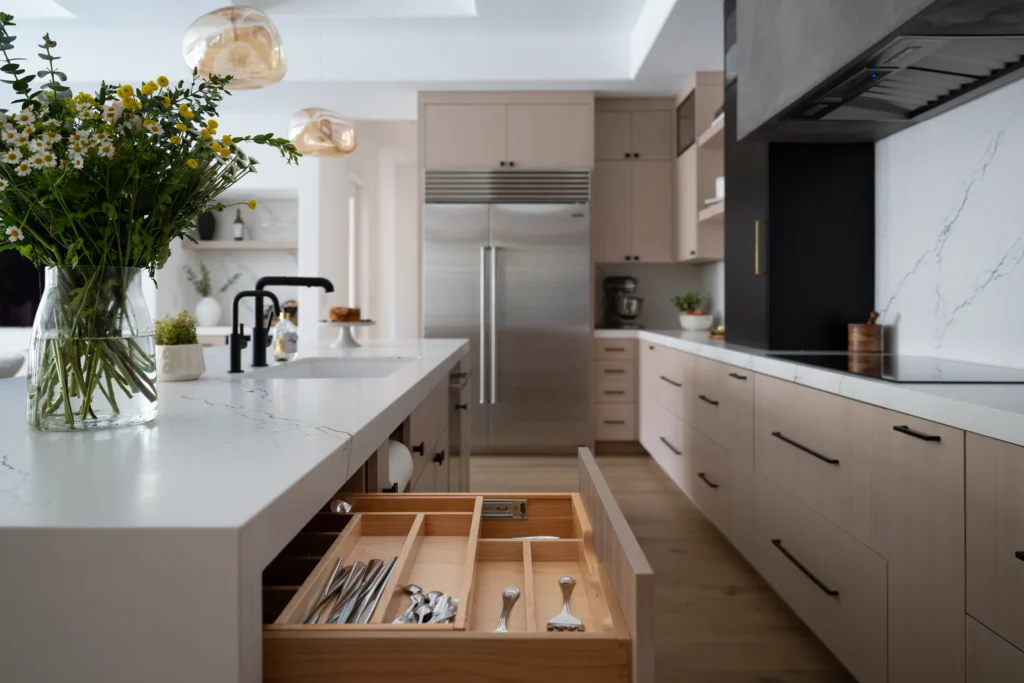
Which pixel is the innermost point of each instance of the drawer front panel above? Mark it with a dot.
(669, 393)
(615, 421)
(990, 659)
(662, 437)
(622, 370)
(995, 536)
(836, 584)
(819, 447)
(707, 476)
(615, 349)
(607, 390)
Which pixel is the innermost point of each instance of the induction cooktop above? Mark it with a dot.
(909, 369)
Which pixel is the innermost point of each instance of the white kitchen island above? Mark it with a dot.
(136, 554)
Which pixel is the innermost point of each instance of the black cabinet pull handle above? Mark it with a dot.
(439, 457)
(736, 375)
(670, 446)
(635, 257)
(615, 422)
(693, 253)
(708, 400)
(627, 155)
(461, 406)
(806, 572)
(614, 393)
(805, 449)
(503, 163)
(903, 429)
(419, 449)
(1019, 555)
(650, 347)
(511, 163)
(675, 384)
(617, 349)
(636, 155)
(614, 372)
(628, 257)
(704, 478)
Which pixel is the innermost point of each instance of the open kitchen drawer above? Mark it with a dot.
(444, 542)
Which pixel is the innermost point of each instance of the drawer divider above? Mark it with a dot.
(528, 597)
(400, 574)
(469, 571)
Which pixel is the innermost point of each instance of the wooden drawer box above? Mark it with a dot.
(615, 349)
(990, 659)
(836, 584)
(819, 447)
(615, 421)
(441, 542)
(706, 477)
(995, 536)
(621, 370)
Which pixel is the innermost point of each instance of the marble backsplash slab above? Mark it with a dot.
(950, 233)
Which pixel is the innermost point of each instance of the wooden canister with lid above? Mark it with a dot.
(865, 338)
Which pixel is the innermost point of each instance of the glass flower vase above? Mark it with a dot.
(91, 357)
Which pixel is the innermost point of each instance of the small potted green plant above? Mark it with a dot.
(207, 310)
(179, 357)
(691, 317)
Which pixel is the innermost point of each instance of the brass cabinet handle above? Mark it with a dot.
(757, 248)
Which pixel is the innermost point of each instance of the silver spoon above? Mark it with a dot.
(340, 506)
(508, 598)
(416, 600)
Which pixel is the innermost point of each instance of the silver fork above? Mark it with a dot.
(565, 621)
(508, 598)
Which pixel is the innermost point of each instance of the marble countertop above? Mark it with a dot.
(223, 453)
(994, 410)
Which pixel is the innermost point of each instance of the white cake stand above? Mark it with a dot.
(345, 339)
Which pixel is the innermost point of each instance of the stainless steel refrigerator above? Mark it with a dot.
(509, 269)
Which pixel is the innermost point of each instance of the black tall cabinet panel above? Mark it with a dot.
(799, 238)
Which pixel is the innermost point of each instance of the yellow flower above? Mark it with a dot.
(181, 126)
(148, 122)
(125, 91)
(216, 147)
(225, 152)
(192, 163)
(149, 88)
(205, 133)
(166, 102)
(252, 204)
(131, 103)
(174, 139)
(182, 109)
(227, 139)
(162, 81)
(189, 115)
(212, 124)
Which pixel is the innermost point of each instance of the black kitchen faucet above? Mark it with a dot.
(259, 331)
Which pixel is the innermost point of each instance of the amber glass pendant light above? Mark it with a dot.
(321, 132)
(236, 41)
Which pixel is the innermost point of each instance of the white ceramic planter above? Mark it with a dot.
(208, 312)
(695, 323)
(179, 363)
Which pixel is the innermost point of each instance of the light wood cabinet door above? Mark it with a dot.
(995, 536)
(610, 209)
(463, 136)
(687, 247)
(918, 499)
(611, 141)
(652, 135)
(650, 209)
(550, 136)
(990, 659)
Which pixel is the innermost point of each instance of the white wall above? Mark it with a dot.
(950, 233)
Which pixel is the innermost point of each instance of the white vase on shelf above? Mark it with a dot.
(208, 312)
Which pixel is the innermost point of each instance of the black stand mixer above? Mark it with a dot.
(620, 308)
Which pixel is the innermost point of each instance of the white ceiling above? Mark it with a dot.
(611, 46)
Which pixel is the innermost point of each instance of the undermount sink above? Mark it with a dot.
(331, 368)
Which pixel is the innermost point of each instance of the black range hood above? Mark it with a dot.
(950, 53)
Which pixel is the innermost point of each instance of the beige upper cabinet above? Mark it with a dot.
(610, 212)
(513, 134)
(463, 136)
(550, 136)
(651, 211)
(612, 133)
(652, 135)
(686, 203)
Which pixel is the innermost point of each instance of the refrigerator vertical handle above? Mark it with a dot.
(494, 325)
(481, 370)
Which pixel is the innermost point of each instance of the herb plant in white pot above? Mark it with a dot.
(96, 188)
(691, 317)
(179, 357)
(208, 309)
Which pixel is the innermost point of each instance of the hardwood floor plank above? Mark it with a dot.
(716, 619)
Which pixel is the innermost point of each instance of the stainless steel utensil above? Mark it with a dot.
(348, 590)
(326, 603)
(508, 598)
(564, 621)
(337, 569)
(339, 505)
(348, 610)
(415, 600)
(423, 613)
(369, 601)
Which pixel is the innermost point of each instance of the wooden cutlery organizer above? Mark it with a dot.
(444, 543)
